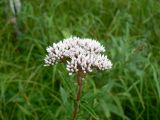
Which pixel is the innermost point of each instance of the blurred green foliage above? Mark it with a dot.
(130, 32)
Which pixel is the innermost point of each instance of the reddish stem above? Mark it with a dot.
(79, 92)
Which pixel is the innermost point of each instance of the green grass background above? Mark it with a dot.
(130, 32)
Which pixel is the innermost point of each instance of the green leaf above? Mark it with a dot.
(23, 109)
(63, 95)
(89, 110)
(105, 108)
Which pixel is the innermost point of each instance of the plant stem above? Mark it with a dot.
(77, 104)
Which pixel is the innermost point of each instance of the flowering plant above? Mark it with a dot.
(81, 56)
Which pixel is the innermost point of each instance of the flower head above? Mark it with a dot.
(79, 54)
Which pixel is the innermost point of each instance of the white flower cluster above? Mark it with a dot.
(80, 54)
